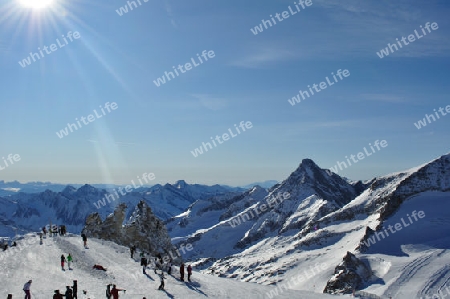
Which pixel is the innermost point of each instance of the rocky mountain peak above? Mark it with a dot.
(143, 229)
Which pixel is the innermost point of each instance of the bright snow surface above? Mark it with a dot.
(41, 263)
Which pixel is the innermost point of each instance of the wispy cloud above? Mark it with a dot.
(263, 55)
(210, 102)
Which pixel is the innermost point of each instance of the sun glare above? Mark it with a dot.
(37, 4)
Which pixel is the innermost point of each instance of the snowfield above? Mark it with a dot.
(41, 263)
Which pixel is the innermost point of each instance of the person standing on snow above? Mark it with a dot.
(63, 259)
(189, 270)
(161, 277)
(132, 250)
(75, 289)
(57, 295)
(68, 294)
(108, 291)
(182, 272)
(26, 289)
(69, 261)
(169, 267)
(84, 240)
(115, 292)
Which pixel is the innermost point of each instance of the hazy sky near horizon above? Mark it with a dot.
(249, 78)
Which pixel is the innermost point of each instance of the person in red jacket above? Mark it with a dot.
(63, 259)
(99, 267)
(189, 270)
(115, 292)
(182, 272)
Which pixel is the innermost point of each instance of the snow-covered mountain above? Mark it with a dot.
(24, 212)
(266, 184)
(325, 225)
(307, 195)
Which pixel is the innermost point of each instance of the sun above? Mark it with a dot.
(37, 4)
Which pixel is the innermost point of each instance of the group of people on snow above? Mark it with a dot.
(111, 290)
(68, 260)
(54, 230)
(71, 292)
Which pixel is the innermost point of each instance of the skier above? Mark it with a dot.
(69, 261)
(115, 292)
(84, 239)
(68, 294)
(26, 289)
(57, 295)
(182, 272)
(108, 291)
(9, 296)
(63, 259)
(189, 270)
(75, 289)
(161, 277)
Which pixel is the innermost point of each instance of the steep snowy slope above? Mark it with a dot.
(326, 239)
(41, 264)
(203, 214)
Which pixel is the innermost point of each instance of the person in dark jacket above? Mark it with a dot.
(75, 289)
(9, 296)
(68, 294)
(144, 264)
(161, 277)
(182, 272)
(57, 295)
(189, 270)
(83, 236)
(108, 291)
(132, 250)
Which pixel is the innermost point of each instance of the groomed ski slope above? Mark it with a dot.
(41, 263)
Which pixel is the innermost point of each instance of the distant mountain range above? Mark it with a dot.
(29, 211)
(10, 188)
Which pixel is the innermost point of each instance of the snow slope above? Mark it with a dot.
(41, 264)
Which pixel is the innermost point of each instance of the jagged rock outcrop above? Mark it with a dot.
(143, 229)
(349, 275)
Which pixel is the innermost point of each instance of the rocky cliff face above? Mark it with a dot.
(349, 275)
(143, 229)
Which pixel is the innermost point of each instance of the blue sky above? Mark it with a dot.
(154, 129)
